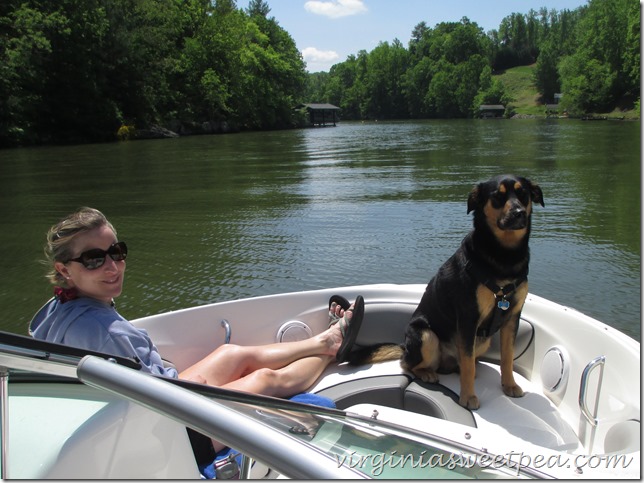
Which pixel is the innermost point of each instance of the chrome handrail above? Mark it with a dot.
(226, 325)
(583, 389)
(213, 419)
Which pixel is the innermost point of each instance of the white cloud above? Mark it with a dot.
(314, 55)
(319, 60)
(336, 8)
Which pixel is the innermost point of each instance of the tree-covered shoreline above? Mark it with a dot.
(591, 55)
(75, 71)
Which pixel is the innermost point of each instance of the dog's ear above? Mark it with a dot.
(473, 200)
(536, 193)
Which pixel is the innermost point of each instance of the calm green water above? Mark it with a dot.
(220, 217)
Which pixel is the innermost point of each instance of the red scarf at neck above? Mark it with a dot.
(65, 294)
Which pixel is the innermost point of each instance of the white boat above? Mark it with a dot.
(70, 415)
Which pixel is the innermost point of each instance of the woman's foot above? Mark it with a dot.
(333, 336)
(337, 306)
(343, 332)
(350, 326)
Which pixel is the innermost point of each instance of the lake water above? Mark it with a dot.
(220, 217)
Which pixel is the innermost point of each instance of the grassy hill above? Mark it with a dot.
(519, 84)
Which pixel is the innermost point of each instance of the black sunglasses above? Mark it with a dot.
(95, 258)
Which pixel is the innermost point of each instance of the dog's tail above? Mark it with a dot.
(375, 353)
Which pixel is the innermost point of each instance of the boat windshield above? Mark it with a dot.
(380, 449)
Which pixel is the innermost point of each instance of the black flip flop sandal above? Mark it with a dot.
(350, 329)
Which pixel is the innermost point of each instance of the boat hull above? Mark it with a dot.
(581, 376)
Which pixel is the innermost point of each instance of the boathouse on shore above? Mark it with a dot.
(320, 114)
(489, 111)
(552, 110)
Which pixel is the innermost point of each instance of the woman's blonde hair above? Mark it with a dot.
(61, 235)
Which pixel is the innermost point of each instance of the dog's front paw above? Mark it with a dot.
(469, 401)
(512, 390)
(426, 375)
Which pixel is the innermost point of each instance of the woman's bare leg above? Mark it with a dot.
(285, 382)
(289, 372)
(232, 362)
(294, 378)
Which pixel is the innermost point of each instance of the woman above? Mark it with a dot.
(88, 268)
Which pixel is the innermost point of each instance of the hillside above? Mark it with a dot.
(519, 84)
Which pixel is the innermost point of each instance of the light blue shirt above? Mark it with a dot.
(90, 324)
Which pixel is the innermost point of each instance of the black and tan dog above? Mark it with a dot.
(478, 291)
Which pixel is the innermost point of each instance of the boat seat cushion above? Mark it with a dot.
(387, 323)
(384, 323)
(438, 401)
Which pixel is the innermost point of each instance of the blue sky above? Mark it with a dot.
(328, 31)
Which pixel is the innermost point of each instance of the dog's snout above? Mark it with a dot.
(518, 212)
(515, 218)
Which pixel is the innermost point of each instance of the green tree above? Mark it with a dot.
(141, 52)
(418, 41)
(419, 73)
(24, 59)
(76, 103)
(357, 94)
(384, 82)
(491, 91)
(511, 42)
(258, 8)
(594, 77)
(631, 57)
(416, 84)
(278, 77)
(209, 63)
(315, 88)
(342, 89)
(546, 74)
(462, 51)
(441, 97)
(588, 85)
(559, 41)
(54, 74)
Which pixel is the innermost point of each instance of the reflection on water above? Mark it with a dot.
(217, 217)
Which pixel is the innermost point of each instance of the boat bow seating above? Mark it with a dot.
(386, 384)
(401, 392)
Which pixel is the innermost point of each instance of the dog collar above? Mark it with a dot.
(501, 293)
(502, 304)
